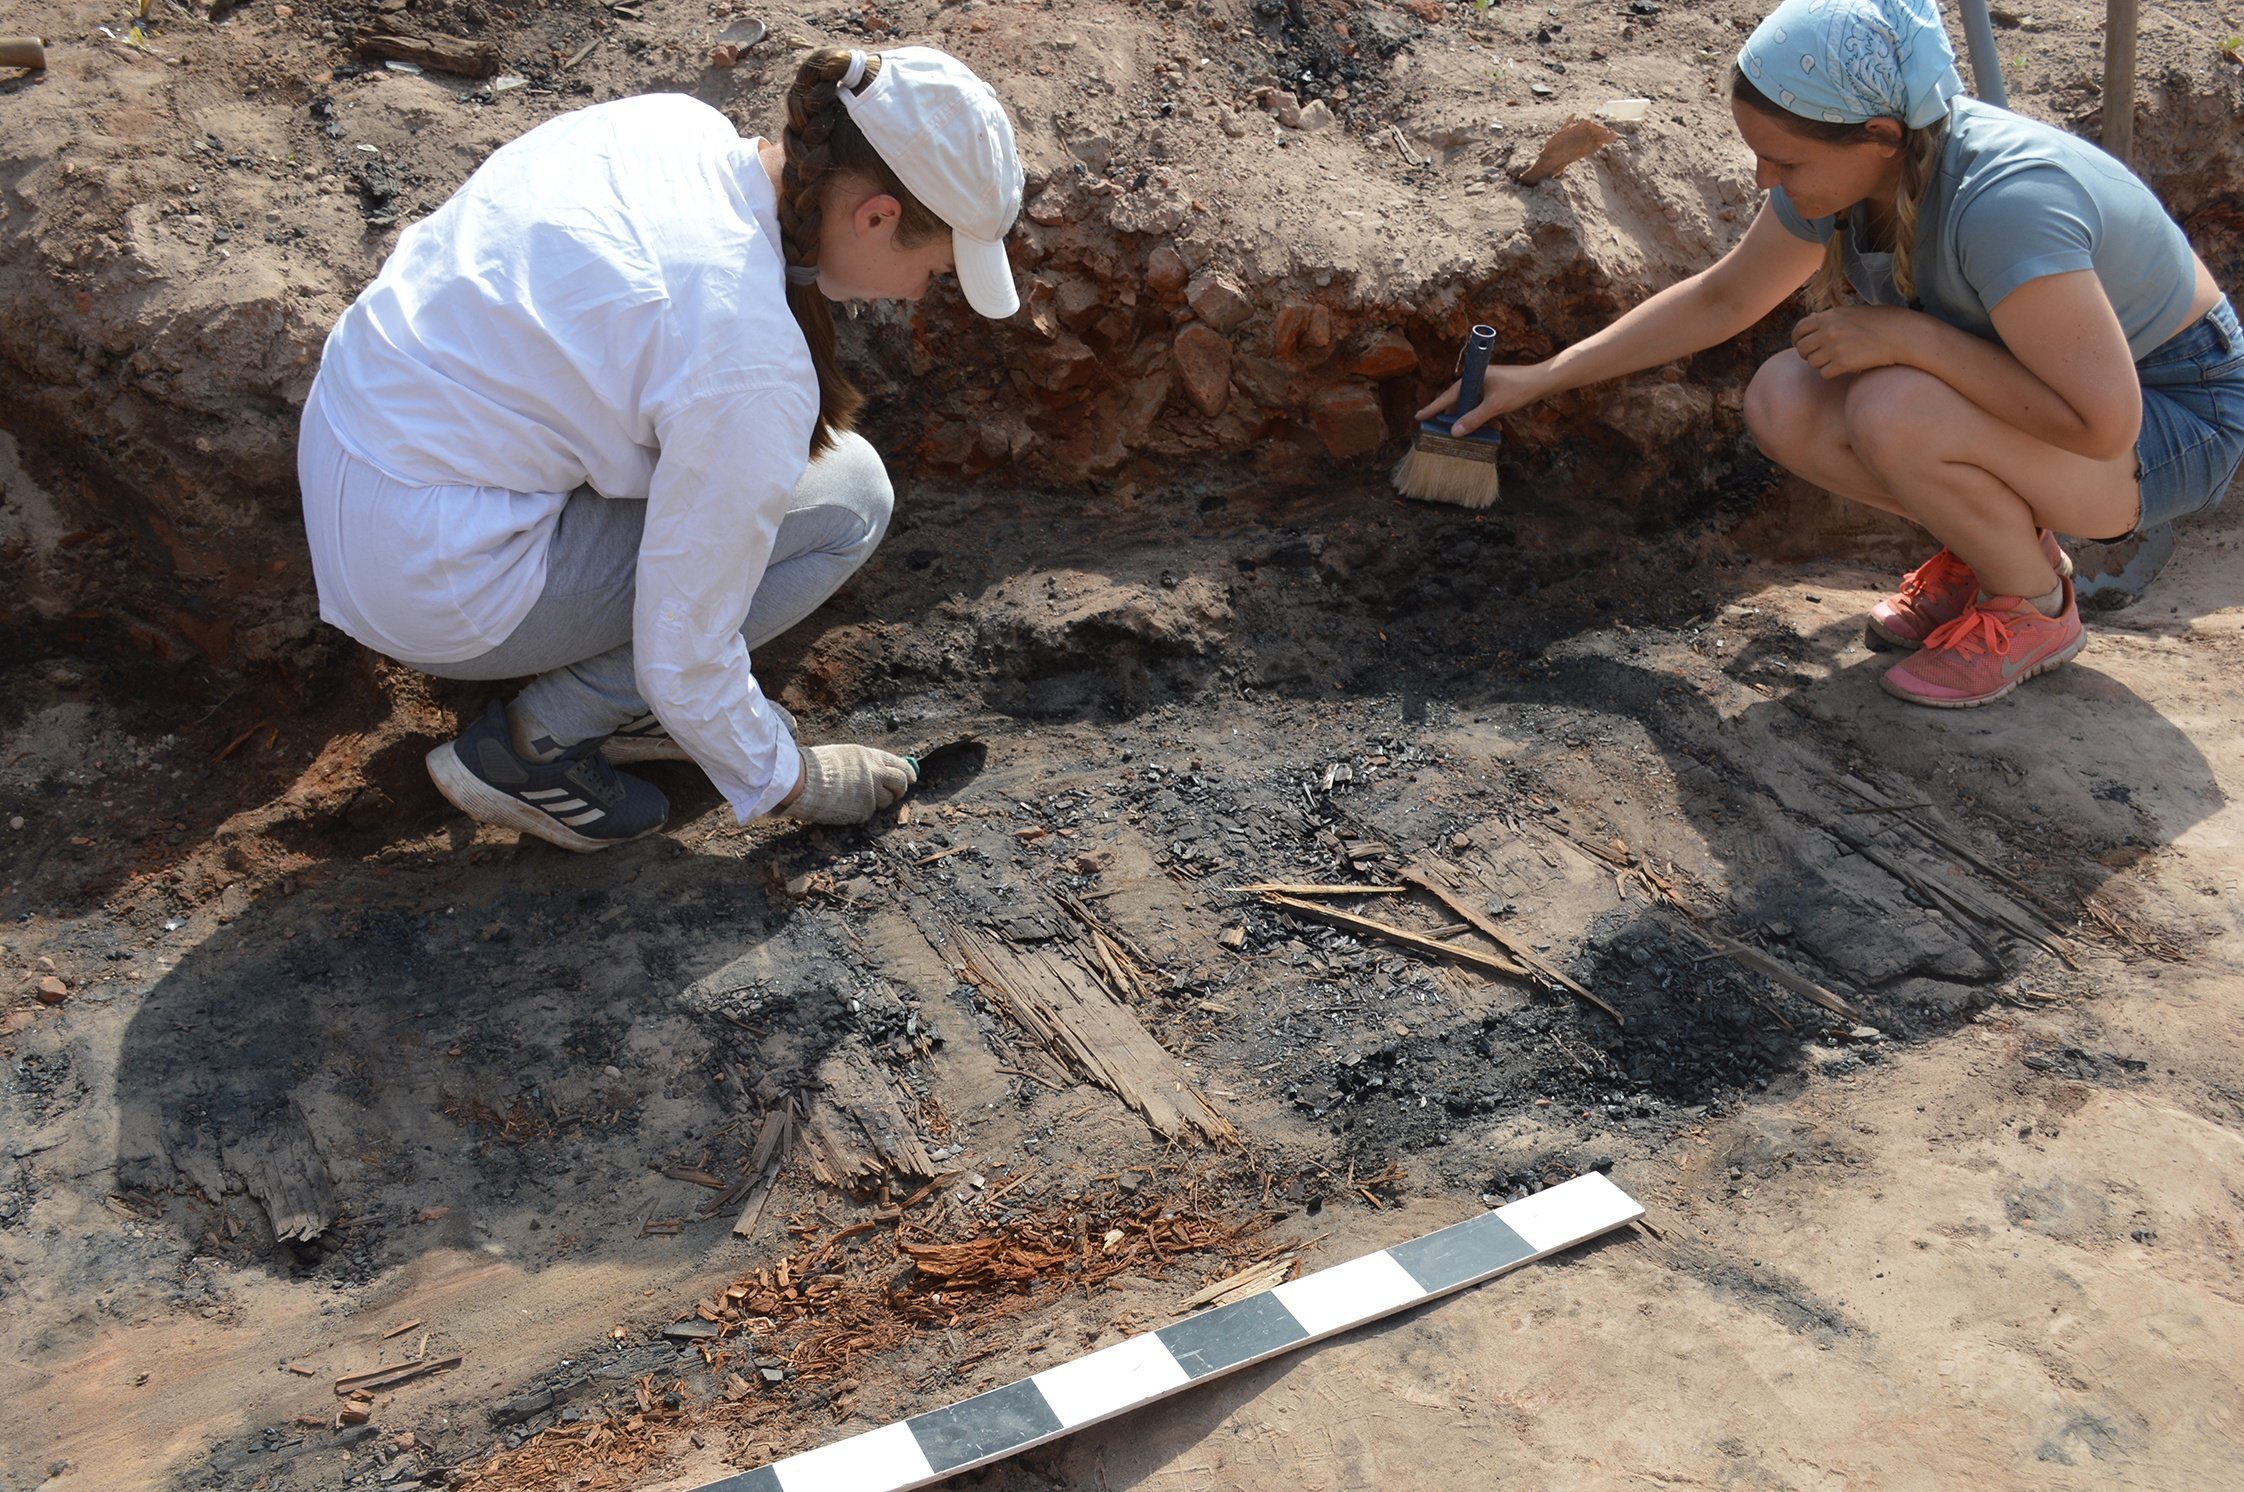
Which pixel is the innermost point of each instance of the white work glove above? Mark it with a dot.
(849, 784)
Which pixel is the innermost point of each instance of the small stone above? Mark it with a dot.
(1301, 333)
(1384, 354)
(1349, 421)
(1096, 152)
(1316, 115)
(53, 991)
(1203, 362)
(1049, 209)
(1218, 299)
(1165, 275)
(1233, 937)
(1064, 364)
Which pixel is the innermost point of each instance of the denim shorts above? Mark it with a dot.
(2193, 418)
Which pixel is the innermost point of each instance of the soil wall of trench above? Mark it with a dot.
(1211, 294)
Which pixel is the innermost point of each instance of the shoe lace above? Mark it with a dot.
(1938, 573)
(595, 776)
(1977, 629)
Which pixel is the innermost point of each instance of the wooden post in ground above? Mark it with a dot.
(2119, 80)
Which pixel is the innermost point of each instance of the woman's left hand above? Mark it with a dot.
(1854, 339)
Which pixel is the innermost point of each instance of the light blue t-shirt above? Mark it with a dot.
(2015, 200)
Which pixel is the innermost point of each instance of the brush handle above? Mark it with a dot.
(1474, 366)
(23, 51)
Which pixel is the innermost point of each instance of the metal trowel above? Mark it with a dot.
(947, 769)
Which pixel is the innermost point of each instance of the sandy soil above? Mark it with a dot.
(295, 1059)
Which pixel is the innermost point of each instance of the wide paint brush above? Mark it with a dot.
(1441, 467)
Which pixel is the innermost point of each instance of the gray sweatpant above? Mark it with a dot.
(577, 638)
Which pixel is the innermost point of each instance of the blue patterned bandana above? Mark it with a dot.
(1847, 61)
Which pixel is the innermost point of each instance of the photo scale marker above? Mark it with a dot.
(1001, 1422)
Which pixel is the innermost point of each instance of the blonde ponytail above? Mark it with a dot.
(1920, 162)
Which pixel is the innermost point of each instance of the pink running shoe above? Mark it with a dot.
(1935, 594)
(1996, 645)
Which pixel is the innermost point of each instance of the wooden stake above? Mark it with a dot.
(1754, 959)
(2119, 80)
(1402, 935)
(390, 1377)
(1488, 929)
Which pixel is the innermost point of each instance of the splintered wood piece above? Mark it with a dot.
(442, 54)
(1482, 924)
(1252, 1280)
(1575, 139)
(752, 1214)
(774, 1137)
(1290, 888)
(857, 1133)
(775, 1140)
(1080, 1021)
(282, 1167)
(391, 1377)
(401, 1328)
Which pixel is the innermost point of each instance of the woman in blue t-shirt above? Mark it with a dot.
(2033, 347)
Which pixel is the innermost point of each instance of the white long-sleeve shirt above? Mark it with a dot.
(602, 302)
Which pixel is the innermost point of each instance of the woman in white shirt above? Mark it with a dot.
(588, 424)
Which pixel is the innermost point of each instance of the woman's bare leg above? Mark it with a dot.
(1902, 440)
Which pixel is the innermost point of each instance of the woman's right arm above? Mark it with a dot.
(1712, 306)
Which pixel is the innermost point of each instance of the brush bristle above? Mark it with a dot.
(1439, 469)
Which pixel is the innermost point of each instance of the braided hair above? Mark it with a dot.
(825, 149)
(1920, 159)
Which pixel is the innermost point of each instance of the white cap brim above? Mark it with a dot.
(985, 275)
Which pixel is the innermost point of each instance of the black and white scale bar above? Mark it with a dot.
(991, 1426)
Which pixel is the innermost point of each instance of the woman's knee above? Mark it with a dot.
(852, 476)
(1778, 406)
(1895, 417)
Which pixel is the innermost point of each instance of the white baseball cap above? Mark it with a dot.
(943, 132)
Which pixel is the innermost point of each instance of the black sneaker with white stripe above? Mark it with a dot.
(578, 801)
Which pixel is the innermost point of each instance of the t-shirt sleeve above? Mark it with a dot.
(2025, 225)
(1810, 230)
